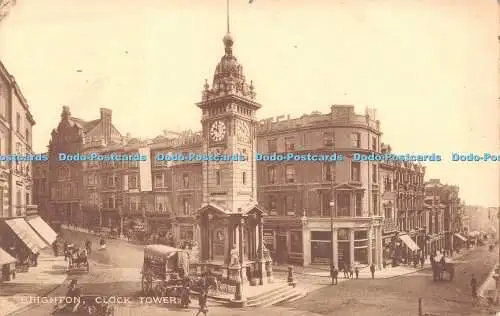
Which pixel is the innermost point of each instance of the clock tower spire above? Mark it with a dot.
(229, 128)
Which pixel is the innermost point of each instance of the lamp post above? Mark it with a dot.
(332, 208)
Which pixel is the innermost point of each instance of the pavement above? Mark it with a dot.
(399, 295)
(39, 281)
(116, 271)
(364, 272)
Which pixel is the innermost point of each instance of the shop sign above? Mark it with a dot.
(268, 237)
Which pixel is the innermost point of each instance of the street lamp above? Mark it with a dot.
(332, 208)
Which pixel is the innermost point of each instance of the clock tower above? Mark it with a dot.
(229, 129)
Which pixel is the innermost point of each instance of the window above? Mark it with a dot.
(132, 182)
(18, 122)
(134, 206)
(272, 204)
(271, 175)
(374, 174)
(185, 207)
(3, 101)
(28, 198)
(388, 184)
(218, 177)
(272, 146)
(355, 171)
(329, 172)
(296, 242)
(387, 212)
(376, 207)
(329, 139)
(289, 144)
(18, 202)
(374, 143)
(290, 174)
(111, 202)
(343, 204)
(244, 178)
(185, 180)
(111, 181)
(290, 205)
(27, 135)
(356, 140)
(359, 204)
(159, 181)
(326, 198)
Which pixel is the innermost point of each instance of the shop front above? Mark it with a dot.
(284, 239)
(321, 247)
(389, 248)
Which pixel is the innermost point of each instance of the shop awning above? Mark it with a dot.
(5, 258)
(462, 238)
(27, 235)
(409, 242)
(43, 229)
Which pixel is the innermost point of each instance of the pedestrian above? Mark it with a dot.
(351, 273)
(346, 271)
(356, 271)
(422, 261)
(372, 270)
(334, 273)
(202, 301)
(473, 285)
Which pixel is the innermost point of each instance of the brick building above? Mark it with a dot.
(297, 195)
(65, 178)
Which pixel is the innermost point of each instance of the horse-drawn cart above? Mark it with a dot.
(440, 265)
(78, 261)
(165, 273)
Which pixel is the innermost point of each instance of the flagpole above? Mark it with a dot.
(227, 15)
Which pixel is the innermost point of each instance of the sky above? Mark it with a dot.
(429, 67)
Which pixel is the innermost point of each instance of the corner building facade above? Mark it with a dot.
(298, 195)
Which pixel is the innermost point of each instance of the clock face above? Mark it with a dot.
(243, 131)
(218, 131)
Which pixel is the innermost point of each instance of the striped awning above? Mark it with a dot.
(5, 258)
(27, 235)
(43, 229)
(409, 242)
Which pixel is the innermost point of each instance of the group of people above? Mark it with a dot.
(349, 272)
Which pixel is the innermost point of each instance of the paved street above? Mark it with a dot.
(399, 295)
(116, 271)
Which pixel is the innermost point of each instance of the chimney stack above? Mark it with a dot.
(65, 112)
(106, 113)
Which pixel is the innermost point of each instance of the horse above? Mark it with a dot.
(77, 259)
(438, 269)
(204, 284)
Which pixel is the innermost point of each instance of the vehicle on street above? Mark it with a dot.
(440, 265)
(161, 267)
(78, 261)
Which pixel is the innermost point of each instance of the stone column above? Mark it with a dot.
(306, 246)
(351, 245)
(335, 247)
(378, 248)
(260, 247)
(242, 257)
(371, 235)
(227, 245)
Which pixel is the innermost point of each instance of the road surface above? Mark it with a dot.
(116, 271)
(399, 295)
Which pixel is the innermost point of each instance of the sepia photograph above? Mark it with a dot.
(249, 157)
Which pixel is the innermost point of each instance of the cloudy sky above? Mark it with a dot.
(428, 66)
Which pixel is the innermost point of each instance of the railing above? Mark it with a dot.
(390, 225)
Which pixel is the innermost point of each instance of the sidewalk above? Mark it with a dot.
(38, 281)
(364, 273)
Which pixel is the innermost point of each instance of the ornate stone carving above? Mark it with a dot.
(235, 257)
